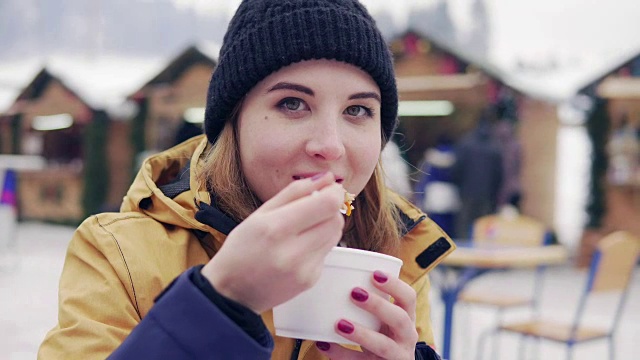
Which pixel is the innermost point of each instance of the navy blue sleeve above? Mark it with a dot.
(425, 352)
(185, 324)
(244, 317)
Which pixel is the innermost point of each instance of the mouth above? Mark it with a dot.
(339, 180)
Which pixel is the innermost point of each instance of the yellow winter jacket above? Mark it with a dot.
(117, 263)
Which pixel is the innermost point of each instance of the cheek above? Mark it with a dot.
(364, 160)
(264, 156)
(263, 150)
(262, 141)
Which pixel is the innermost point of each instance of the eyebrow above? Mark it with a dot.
(365, 95)
(308, 91)
(290, 86)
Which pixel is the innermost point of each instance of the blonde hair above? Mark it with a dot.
(374, 225)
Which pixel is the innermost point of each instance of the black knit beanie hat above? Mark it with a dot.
(267, 35)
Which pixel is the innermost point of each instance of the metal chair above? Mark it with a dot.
(611, 269)
(500, 230)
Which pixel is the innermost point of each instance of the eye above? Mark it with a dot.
(292, 104)
(358, 110)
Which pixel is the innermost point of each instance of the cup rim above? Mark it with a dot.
(366, 253)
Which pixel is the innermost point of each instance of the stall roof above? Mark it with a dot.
(7, 97)
(549, 49)
(102, 83)
(203, 52)
(14, 76)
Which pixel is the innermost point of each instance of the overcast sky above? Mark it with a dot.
(552, 45)
(522, 28)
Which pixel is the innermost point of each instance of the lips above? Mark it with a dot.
(339, 180)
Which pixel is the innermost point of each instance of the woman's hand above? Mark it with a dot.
(279, 250)
(398, 337)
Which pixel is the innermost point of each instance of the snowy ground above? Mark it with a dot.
(29, 275)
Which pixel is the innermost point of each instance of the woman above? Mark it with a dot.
(299, 108)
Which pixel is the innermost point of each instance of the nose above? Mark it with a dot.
(326, 141)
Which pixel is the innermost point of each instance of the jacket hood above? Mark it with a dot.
(150, 192)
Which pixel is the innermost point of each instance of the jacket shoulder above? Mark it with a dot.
(145, 254)
(122, 223)
(424, 244)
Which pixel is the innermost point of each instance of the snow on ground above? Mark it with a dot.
(30, 269)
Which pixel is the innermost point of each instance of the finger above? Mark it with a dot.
(311, 247)
(309, 211)
(322, 237)
(297, 189)
(335, 351)
(370, 340)
(305, 255)
(404, 296)
(400, 323)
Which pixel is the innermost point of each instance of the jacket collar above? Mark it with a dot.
(167, 189)
(151, 191)
(211, 215)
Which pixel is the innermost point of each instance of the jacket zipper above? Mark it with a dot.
(296, 349)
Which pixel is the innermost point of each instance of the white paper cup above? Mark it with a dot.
(312, 314)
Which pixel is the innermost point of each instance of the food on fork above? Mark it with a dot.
(347, 208)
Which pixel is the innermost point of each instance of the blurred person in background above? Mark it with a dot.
(8, 215)
(186, 131)
(396, 170)
(624, 153)
(478, 173)
(217, 231)
(511, 148)
(435, 192)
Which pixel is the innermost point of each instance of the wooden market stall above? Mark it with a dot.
(172, 103)
(428, 72)
(50, 120)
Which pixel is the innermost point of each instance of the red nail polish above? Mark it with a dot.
(323, 345)
(380, 277)
(345, 326)
(359, 294)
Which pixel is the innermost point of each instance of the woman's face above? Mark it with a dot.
(308, 118)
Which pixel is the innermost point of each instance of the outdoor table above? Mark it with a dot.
(468, 262)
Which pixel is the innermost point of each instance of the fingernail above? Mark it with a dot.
(317, 176)
(323, 345)
(345, 326)
(380, 277)
(359, 294)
